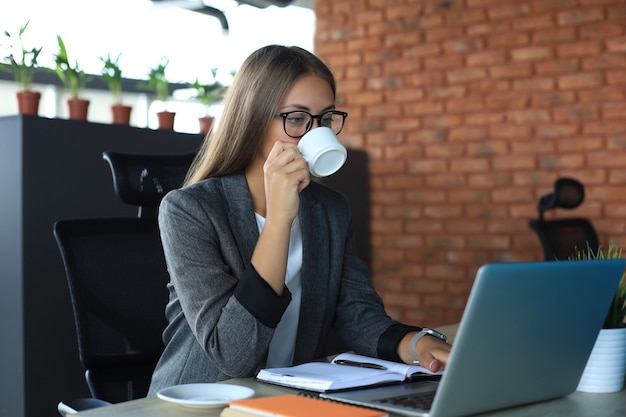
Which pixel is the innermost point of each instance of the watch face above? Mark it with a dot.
(436, 334)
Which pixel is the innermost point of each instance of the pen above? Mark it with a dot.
(360, 364)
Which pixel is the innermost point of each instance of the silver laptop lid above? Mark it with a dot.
(526, 333)
(525, 336)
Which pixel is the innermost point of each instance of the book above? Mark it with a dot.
(345, 371)
(294, 405)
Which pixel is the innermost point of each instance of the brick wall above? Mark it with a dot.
(469, 110)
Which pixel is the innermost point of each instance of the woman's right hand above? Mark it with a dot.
(285, 174)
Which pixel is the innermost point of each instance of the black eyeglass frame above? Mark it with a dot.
(317, 117)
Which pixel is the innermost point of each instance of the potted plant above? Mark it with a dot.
(74, 79)
(112, 74)
(208, 94)
(22, 62)
(606, 368)
(158, 83)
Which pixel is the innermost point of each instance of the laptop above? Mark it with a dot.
(525, 336)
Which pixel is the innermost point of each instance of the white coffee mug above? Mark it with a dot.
(322, 151)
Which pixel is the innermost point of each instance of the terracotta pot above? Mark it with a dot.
(121, 114)
(205, 124)
(166, 120)
(28, 102)
(78, 108)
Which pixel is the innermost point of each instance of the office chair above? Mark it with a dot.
(562, 238)
(117, 279)
(143, 180)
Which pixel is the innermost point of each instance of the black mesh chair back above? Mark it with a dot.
(143, 180)
(117, 280)
(562, 238)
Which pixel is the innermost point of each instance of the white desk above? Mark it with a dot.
(578, 404)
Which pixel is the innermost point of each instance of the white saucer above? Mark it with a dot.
(204, 395)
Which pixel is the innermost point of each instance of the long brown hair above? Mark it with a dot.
(257, 91)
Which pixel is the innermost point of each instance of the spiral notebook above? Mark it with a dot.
(525, 336)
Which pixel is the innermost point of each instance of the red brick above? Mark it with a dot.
(555, 67)
(464, 105)
(580, 144)
(507, 101)
(604, 61)
(510, 132)
(549, 5)
(425, 78)
(614, 111)
(511, 163)
(443, 150)
(442, 121)
(528, 116)
(616, 45)
(444, 33)
(468, 134)
(466, 75)
(577, 112)
(533, 21)
(579, 49)
(508, 10)
(470, 165)
(534, 84)
(555, 35)
(580, 15)
(507, 40)
(484, 58)
(601, 30)
(561, 162)
(423, 108)
(426, 166)
(443, 62)
(616, 77)
(617, 12)
(488, 28)
(487, 148)
(517, 70)
(463, 45)
(531, 53)
(584, 80)
(445, 92)
(553, 99)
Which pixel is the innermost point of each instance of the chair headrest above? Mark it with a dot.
(568, 193)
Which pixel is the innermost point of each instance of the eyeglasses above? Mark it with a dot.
(297, 123)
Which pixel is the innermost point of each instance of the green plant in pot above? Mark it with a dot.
(617, 311)
(208, 94)
(604, 372)
(159, 84)
(112, 74)
(74, 79)
(22, 62)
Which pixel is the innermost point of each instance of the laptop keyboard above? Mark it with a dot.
(416, 401)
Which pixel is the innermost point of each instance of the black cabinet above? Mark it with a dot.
(52, 169)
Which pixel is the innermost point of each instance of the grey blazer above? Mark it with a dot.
(222, 314)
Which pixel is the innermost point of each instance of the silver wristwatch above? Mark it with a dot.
(425, 331)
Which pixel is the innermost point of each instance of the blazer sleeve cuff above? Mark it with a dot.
(258, 297)
(388, 342)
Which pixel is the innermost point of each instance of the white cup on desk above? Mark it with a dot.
(322, 151)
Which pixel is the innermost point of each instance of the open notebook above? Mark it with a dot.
(525, 336)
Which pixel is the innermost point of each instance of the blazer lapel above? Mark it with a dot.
(314, 275)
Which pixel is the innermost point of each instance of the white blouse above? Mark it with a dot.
(283, 342)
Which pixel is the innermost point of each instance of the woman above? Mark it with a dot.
(262, 260)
